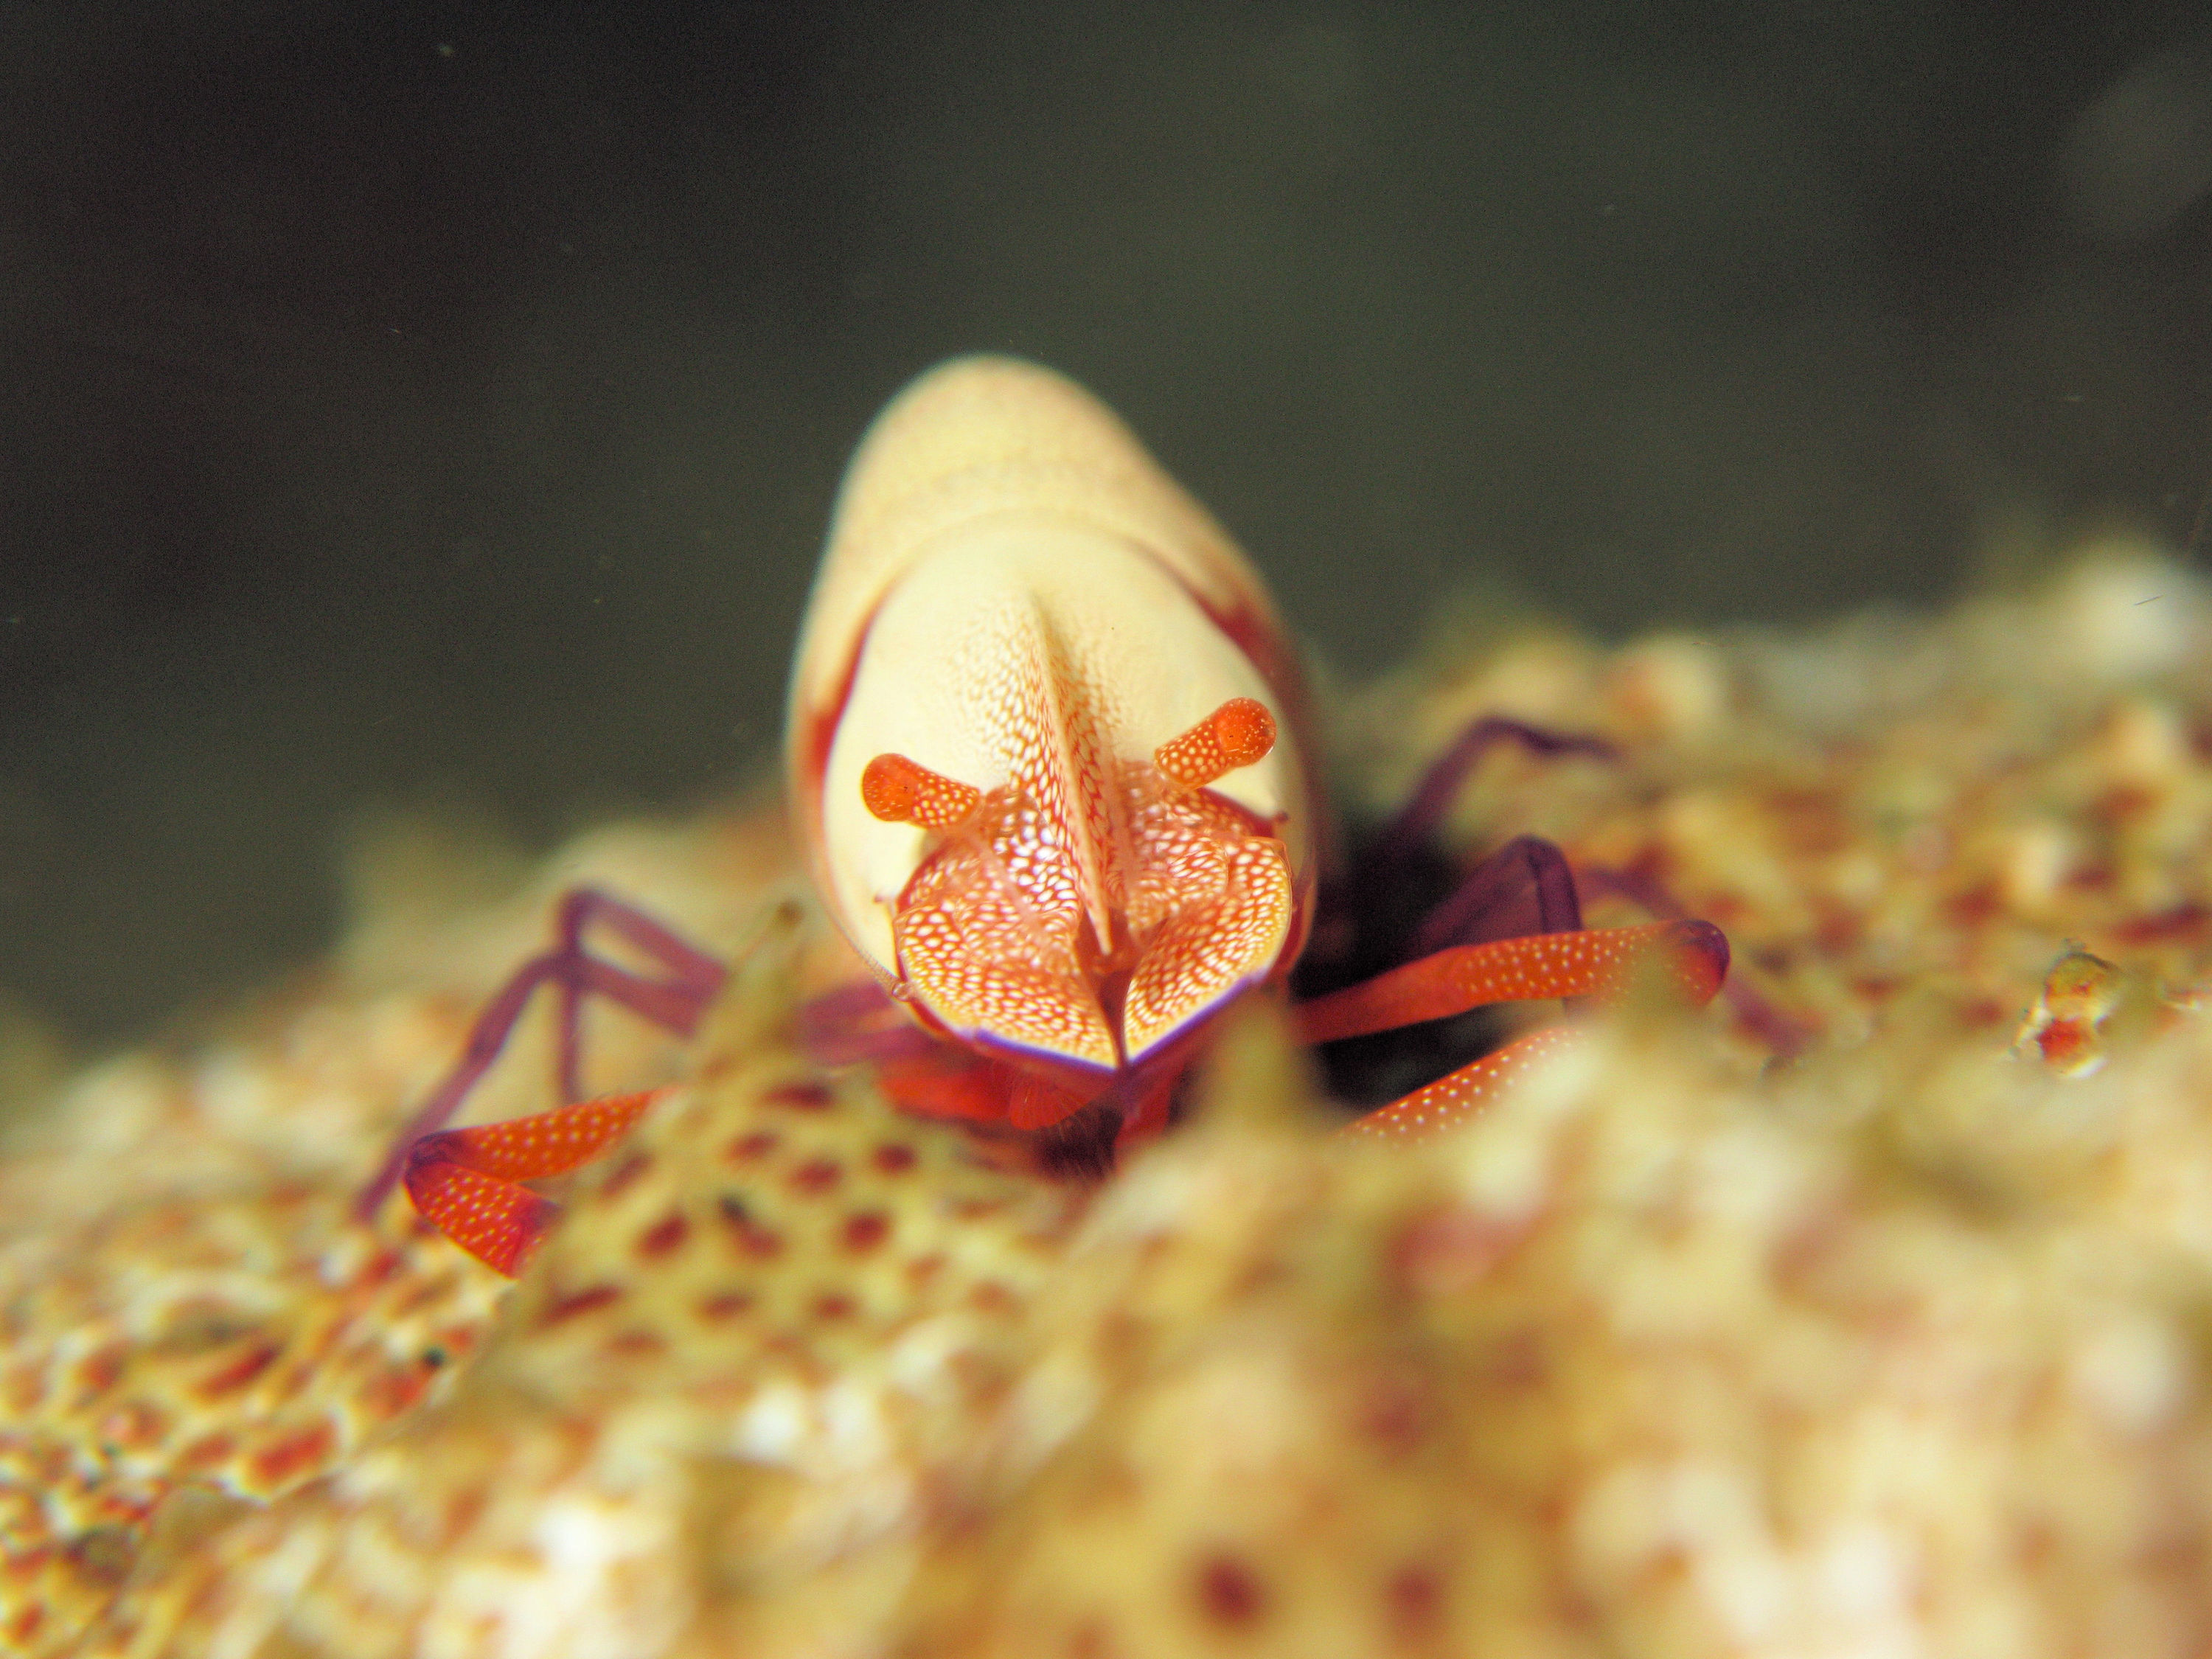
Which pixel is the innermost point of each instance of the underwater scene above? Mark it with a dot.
(947, 830)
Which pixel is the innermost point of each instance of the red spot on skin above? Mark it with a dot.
(1397, 1416)
(395, 1391)
(747, 1149)
(923, 1269)
(894, 1159)
(1976, 906)
(240, 1372)
(835, 1307)
(865, 1231)
(1517, 1359)
(634, 1345)
(816, 1175)
(761, 1242)
(26, 1388)
(664, 1236)
(2182, 921)
(579, 1302)
(1414, 1598)
(1229, 1592)
(97, 1372)
(25, 1624)
(206, 1452)
(728, 1304)
(629, 1171)
(2125, 803)
(1805, 1250)
(993, 1297)
(274, 1465)
(1837, 931)
(756, 1241)
(2034, 1543)
(800, 1097)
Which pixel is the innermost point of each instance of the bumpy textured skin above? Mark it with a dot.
(1897, 1349)
(192, 1323)
(777, 1284)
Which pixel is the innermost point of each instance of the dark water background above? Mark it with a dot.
(437, 405)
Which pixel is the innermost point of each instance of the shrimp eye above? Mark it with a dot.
(1237, 733)
(901, 791)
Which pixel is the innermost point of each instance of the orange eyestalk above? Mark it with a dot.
(1238, 733)
(901, 791)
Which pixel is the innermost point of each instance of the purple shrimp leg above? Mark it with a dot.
(857, 1023)
(1524, 887)
(1411, 831)
(689, 981)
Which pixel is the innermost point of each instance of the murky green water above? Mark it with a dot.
(410, 407)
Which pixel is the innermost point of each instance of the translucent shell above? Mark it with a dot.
(1068, 684)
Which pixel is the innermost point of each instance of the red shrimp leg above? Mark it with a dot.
(858, 1023)
(690, 980)
(467, 1183)
(1592, 963)
(1457, 1098)
(947, 1082)
(1597, 962)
